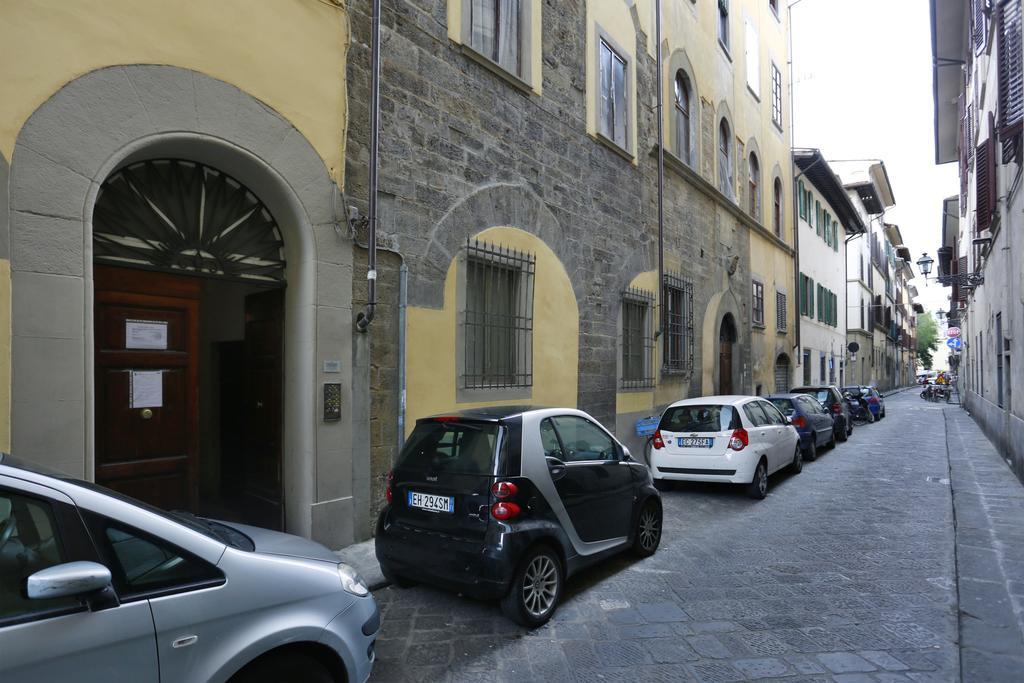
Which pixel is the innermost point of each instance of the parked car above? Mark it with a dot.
(95, 586)
(830, 397)
(507, 503)
(814, 424)
(730, 439)
(876, 404)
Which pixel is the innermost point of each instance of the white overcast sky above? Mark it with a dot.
(863, 89)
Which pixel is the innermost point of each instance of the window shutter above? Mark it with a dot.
(978, 24)
(965, 145)
(835, 236)
(810, 298)
(984, 175)
(800, 199)
(1011, 78)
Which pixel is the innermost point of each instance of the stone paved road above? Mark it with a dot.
(846, 572)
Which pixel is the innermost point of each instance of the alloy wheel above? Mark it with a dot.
(762, 479)
(540, 586)
(650, 528)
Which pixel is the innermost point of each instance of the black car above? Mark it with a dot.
(830, 397)
(506, 503)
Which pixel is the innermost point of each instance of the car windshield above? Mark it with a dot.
(212, 529)
(783, 404)
(453, 446)
(854, 391)
(699, 418)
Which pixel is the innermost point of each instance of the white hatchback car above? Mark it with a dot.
(730, 439)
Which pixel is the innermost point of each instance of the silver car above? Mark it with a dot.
(95, 586)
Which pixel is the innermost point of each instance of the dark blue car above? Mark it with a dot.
(813, 423)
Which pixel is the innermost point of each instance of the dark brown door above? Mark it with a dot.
(261, 455)
(726, 338)
(147, 385)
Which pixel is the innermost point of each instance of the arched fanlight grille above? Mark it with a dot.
(176, 216)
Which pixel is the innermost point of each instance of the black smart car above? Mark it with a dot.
(509, 502)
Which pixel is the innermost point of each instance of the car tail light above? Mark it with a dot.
(446, 418)
(739, 440)
(503, 511)
(387, 484)
(800, 422)
(657, 441)
(503, 490)
(836, 408)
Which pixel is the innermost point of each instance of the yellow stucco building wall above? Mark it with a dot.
(431, 357)
(289, 54)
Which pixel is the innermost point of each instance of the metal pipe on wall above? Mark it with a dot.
(403, 297)
(365, 317)
(661, 173)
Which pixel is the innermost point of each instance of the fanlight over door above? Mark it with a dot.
(184, 217)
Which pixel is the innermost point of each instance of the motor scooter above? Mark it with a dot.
(859, 410)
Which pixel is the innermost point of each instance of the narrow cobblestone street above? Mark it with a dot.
(845, 572)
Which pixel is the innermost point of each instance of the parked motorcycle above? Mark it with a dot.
(935, 393)
(859, 410)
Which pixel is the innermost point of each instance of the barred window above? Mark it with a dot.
(758, 304)
(498, 327)
(637, 338)
(780, 312)
(678, 333)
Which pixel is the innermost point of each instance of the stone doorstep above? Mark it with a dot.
(363, 558)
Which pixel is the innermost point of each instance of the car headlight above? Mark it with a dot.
(351, 581)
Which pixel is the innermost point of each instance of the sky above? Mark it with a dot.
(863, 90)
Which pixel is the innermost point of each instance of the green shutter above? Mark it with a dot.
(800, 198)
(835, 236)
(817, 217)
(810, 298)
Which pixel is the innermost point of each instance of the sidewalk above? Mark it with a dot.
(988, 509)
(363, 558)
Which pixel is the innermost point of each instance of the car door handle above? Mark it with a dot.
(184, 641)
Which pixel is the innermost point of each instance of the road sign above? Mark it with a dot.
(953, 332)
(953, 344)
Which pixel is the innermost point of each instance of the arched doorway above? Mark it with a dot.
(782, 373)
(188, 310)
(726, 340)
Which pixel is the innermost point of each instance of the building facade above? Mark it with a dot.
(519, 187)
(175, 265)
(827, 220)
(979, 114)
(867, 267)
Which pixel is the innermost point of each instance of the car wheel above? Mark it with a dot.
(843, 433)
(286, 667)
(812, 452)
(798, 461)
(758, 487)
(832, 444)
(647, 535)
(849, 428)
(871, 416)
(536, 588)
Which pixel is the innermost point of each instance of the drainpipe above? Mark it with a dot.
(365, 317)
(403, 295)
(661, 172)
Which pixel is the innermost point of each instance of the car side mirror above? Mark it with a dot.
(87, 580)
(626, 455)
(788, 420)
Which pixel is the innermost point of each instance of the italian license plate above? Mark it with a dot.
(695, 442)
(431, 503)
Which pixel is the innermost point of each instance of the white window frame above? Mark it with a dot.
(602, 40)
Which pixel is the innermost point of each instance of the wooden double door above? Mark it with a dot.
(147, 360)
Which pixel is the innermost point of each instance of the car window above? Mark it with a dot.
(783, 404)
(450, 446)
(755, 414)
(583, 440)
(811, 406)
(772, 413)
(141, 563)
(699, 418)
(550, 440)
(29, 542)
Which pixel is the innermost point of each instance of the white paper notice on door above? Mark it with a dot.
(147, 388)
(145, 334)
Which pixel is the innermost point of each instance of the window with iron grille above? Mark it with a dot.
(678, 333)
(780, 312)
(637, 338)
(758, 304)
(498, 321)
